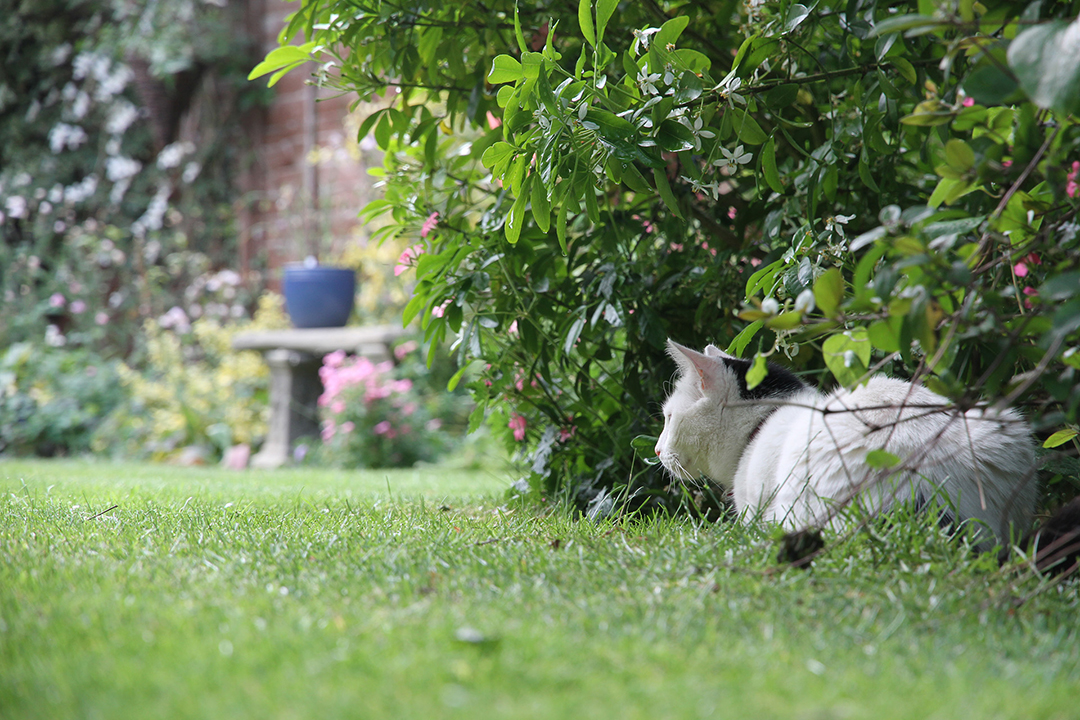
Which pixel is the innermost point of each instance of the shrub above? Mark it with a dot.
(382, 415)
(193, 390)
(845, 187)
(52, 400)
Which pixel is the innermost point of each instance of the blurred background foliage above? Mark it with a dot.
(122, 145)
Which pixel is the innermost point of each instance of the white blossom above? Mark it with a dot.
(121, 168)
(770, 305)
(120, 117)
(191, 171)
(171, 155)
(66, 136)
(733, 158)
(81, 190)
(54, 337)
(805, 302)
(16, 206)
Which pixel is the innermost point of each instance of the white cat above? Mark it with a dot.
(791, 455)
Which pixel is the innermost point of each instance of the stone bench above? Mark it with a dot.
(294, 357)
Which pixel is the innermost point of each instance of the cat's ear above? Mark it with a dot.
(713, 351)
(711, 371)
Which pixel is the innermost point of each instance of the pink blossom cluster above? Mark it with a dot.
(1072, 185)
(339, 373)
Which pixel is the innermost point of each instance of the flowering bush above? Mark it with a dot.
(106, 211)
(385, 415)
(841, 186)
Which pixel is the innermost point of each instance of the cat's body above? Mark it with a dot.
(795, 457)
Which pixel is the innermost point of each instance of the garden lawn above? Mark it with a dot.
(133, 591)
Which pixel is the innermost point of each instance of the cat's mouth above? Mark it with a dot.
(674, 466)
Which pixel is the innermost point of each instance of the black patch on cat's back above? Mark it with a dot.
(779, 382)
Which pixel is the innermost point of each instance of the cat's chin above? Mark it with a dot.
(675, 468)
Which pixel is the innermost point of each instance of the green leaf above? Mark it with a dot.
(746, 127)
(884, 336)
(904, 23)
(757, 372)
(281, 60)
(768, 167)
(1060, 437)
(743, 338)
(504, 69)
(604, 10)
(795, 16)
(673, 136)
(573, 334)
(560, 227)
(847, 355)
(611, 124)
(1046, 60)
(514, 220)
(456, 378)
(585, 20)
(1061, 287)
(781, 96)
(881, 459)
(541, 208)
(498, 153)
(785, 321)
(959, 155)
(829, 291)
(520, 36)
(905, 68)
(990, 84)
(864, 174)
(664, 188)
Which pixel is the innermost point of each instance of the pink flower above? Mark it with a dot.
(57, 300)
(334, 359)
(731, 213)
(408, 409)
(348, 427)
(513, 329)
(78, 307)
(968, 101)
(440, 310)
(1072, 187)
(493, 122)
(328, 431)
(407, 259)
(517, 424)
(101, 317)
(1030, 292)
(402, 350)
(382, 428)
(433, 424)
(429, 224)
(337, 407)
(1020, 269)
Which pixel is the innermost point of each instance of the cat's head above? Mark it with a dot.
(710, 414)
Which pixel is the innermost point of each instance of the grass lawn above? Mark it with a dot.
(206, 593)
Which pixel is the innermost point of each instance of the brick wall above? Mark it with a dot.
(307, 178)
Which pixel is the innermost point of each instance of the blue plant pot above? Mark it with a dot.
(319, 296)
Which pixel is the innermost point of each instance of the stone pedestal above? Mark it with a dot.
(294, 357)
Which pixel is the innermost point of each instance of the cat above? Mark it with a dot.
(793, 456)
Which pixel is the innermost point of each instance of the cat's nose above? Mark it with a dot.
(657, 448)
